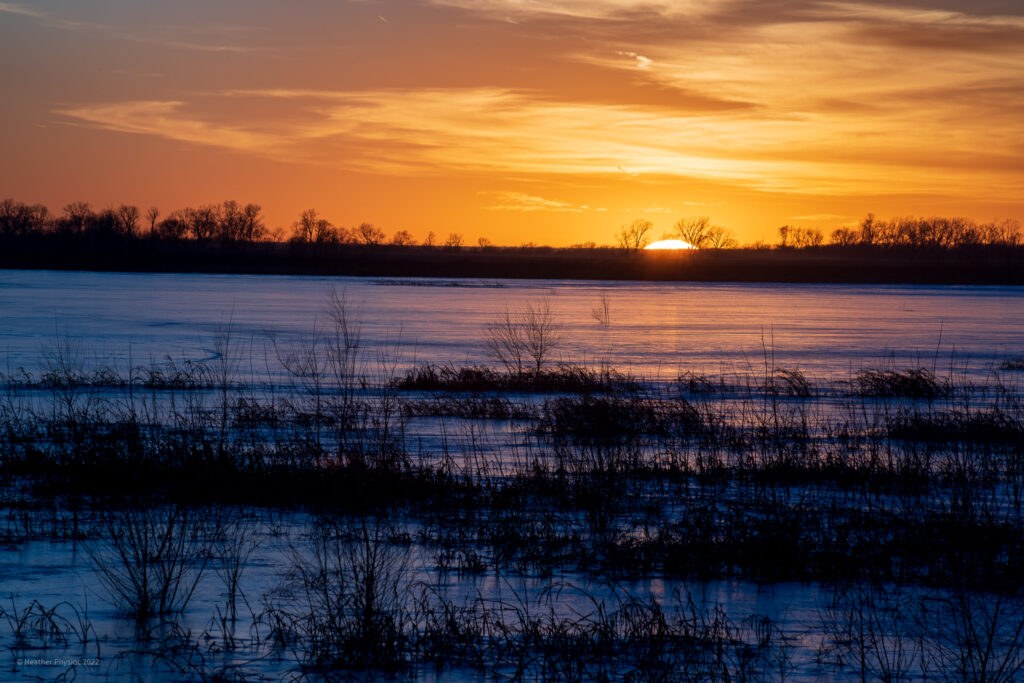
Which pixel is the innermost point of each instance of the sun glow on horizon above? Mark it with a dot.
(669, 244)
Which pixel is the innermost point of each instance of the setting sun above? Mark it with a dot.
(670, 244)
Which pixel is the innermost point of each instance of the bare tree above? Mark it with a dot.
(431, 239)
(369, 234)
(635, 235)
(695, 230)
(844, 237)
(76, 217)
(17, 218)
(403, 238)
(312, 228)
(151, 215)
(127, 220)
(720, 238)
(800, 238)
(454, 240)
(174, 227)
(868, 230)
(784, 236)
(484, 242)
(523, 336)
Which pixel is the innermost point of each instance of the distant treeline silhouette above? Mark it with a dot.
(226, 222)
(232, 222)
(911, 232)
(233, 238)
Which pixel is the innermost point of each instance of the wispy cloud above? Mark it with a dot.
(518, 201)
(166, 119)
(12, 8)
(134, 35)
(504, 131)
(40, 16)
(586, 9)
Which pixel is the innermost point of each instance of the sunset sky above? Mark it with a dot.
(552, 121)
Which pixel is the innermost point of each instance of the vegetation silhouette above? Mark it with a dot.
(230, 237)
(899, 490)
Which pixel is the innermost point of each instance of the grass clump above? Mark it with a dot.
(911, 383)
(563, 379)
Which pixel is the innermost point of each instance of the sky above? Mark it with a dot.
(545, 121)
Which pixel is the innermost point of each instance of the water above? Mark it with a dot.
(655, 329)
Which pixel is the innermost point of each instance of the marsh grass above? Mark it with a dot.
(562, 379)
(910, 383)
(151, 560)
(900, 478)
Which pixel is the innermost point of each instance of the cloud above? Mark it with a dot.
(166, 119)
(12, 8)
(518, 201)
(585, 9)
(135, 35)
(641, 61)
(492, 130)
(42, 17)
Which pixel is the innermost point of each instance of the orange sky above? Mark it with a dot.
(551, 121)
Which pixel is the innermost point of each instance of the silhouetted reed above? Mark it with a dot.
(562, 379)
(151, 560)
(912, 383)
(899, 479)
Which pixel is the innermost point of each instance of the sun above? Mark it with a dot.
(670, 244)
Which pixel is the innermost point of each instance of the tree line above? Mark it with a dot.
(228, 221)
(937, 232)
(224, 222)
(911, 232)
(233, 222)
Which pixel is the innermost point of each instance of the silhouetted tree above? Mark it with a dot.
(18, 219)
(151, 215)
(635, 235)
(695, 230)
(868, 230)
(454, 240)
(799, 237)
(403, 238)
(844, 237)
(203, 222)
(127, 219)
(174, 227)
(369, 234)
(784, 236)
(76, 218)
(239, 224)
(719, 238)
(483, 242)
(430, 240)
(312, 228)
